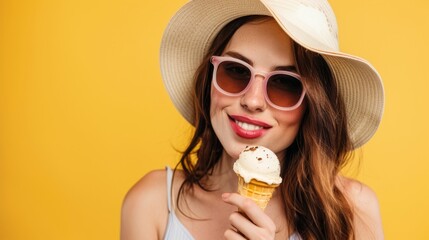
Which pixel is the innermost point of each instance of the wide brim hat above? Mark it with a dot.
(310, 23)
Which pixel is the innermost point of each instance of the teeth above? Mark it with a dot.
(248, 126)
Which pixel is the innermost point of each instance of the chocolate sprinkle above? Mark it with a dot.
(250, 149)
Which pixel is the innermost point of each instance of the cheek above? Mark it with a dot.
(218, 101)
(214, 99)
(293, 119)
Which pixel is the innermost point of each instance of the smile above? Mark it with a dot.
(248, 128)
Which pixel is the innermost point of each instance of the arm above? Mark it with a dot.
(364, 202)
(144, 210)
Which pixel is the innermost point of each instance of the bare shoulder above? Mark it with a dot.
(358, 193)
(144, 209)
(365, 205)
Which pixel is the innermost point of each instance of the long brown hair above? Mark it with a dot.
(314, 206)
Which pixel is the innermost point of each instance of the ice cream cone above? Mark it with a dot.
(258, 170)
(258, 191)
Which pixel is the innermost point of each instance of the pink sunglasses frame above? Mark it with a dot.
(216, 60)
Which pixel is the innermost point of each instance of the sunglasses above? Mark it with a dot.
(233, 77)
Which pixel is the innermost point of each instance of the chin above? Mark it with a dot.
(234, 150)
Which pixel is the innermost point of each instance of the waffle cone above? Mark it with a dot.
(258, 191)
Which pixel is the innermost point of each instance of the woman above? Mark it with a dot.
(250, 72)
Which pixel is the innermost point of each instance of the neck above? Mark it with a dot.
(223, 177)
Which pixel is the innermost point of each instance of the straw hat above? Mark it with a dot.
(310, 23)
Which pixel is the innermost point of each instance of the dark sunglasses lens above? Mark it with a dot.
(232, 77)
(284, 90)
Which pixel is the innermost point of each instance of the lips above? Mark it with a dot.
(248, 128)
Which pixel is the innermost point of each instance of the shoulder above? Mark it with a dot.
(365, 205)
(144, 209)
(148, 189)
(358, 193)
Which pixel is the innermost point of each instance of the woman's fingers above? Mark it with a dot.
(231, 234)
(257, 225)
(247, 228)
(249, 208)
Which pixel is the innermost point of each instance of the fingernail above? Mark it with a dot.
(225, 195)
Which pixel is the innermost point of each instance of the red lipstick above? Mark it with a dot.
(245, 133)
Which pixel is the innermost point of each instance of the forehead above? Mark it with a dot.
(263, 41)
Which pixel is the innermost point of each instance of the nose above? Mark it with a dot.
(254, 98)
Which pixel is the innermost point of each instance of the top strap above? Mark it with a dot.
(169, 183)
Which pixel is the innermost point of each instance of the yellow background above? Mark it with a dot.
(84, 114)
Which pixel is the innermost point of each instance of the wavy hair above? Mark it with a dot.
(314, 206)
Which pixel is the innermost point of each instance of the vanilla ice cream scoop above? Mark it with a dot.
(259, 163)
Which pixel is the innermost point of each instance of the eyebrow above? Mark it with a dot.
(289, 68)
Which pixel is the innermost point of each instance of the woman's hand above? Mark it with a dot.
(251, 222)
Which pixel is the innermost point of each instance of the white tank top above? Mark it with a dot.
(175, 229)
